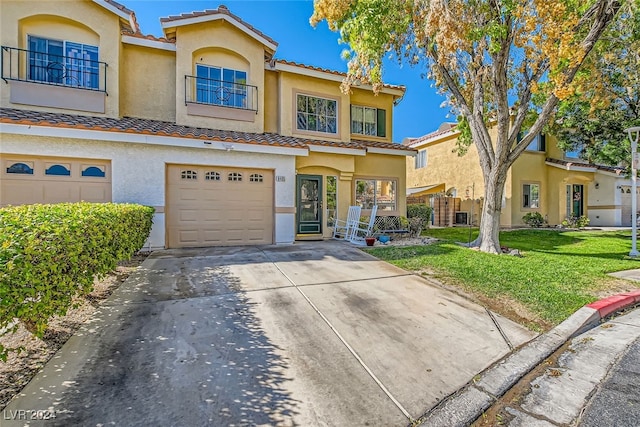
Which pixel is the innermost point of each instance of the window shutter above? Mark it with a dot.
(543, 142)
(382, 122)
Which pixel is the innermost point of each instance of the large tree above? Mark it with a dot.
(502, 64)
(593, 120)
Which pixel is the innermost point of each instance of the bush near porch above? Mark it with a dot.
(49, 254)
(559, 272)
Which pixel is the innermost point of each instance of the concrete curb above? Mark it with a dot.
(467, 404)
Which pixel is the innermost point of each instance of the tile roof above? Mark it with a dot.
(428, 136)
(614, 169)
(221, 10)
(326, 70)
(160, 128)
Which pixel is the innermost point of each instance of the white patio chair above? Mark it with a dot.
(342, 228)
(360, 230)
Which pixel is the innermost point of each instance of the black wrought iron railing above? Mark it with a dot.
(201, 90)
(78, 71)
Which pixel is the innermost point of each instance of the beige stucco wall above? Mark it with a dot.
(529, 168)
(76, 21)
(142, 94)
(558, 181)
(208, 43)
(271, 111)
(445, 166)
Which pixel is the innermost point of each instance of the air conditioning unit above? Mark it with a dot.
(462, 218)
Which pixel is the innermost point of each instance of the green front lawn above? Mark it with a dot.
(559, 272)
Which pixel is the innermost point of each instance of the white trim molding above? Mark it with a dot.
(154, 44)
(391, 151)
(337, 150)
(137, 138)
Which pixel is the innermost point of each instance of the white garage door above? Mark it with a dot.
(218, 206)
(29, 179)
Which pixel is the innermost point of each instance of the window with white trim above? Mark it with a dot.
(316, 114)
(421, 159)
(63, 62)
(531, 196)
(381, 192)
(221, 86)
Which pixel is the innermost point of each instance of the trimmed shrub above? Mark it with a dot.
(533, 219)
(576, 222)
(50, 254)
(420, 210)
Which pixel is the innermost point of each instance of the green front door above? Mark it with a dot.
(309, 197)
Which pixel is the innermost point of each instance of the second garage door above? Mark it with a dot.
(218, 206)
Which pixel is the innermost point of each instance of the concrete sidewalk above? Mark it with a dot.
(316, 333)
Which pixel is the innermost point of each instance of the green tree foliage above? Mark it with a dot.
(503, 65)
(608, 99)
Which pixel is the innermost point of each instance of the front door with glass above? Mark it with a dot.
(309, 207)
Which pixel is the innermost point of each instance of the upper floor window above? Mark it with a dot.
(63, 62)
(317, 114)
(221, 86)
(368, 121)
(537, 144)
(421, 159)
(574, 154)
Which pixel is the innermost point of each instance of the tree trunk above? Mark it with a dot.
(488, 238)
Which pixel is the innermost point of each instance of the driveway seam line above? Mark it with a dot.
(346, 344)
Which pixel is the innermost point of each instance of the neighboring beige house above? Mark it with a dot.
(544, 179)
(231, 145)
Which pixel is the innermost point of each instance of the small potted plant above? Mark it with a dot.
(370, 240)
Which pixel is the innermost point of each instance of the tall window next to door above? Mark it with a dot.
(316, 114)
(63, 62)
(221, 86)
(331, 200)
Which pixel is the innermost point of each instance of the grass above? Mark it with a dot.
(559, 272)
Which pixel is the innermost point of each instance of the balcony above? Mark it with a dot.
(50, 80)
(220, 99)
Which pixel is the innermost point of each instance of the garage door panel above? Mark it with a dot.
(94, 193)
(61, 192)
(226, 212)
(36, 179)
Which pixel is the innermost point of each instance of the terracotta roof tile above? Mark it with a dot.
(119, 6)
(615, 169)
(326, 70)
(223, 10)
(157, 127)
(431, 135)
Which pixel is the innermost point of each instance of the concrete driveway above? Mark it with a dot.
(315, 333)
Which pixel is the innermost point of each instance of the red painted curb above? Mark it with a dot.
(611, 304)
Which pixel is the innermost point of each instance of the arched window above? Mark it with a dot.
(256, 177)
(235, 176)
(21, 168)
(188, 174)
(93, 171)
(212, 176)
(57, 170)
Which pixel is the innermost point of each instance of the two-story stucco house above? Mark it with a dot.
(229, 144)
(543, 179)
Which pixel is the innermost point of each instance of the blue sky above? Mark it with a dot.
(287, 22)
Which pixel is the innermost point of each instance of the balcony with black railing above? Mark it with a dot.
(79, 71)
(219, 93)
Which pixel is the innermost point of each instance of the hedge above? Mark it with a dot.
(420, 210)
(50, 254)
